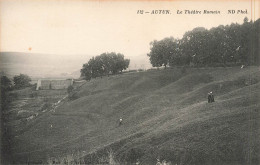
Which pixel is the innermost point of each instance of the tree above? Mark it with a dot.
(6, 85)
(86, 71)
(97, 67)
(255, 48)
(126, 64)
(119, 63)
(104, 64)
(195, 46)
(175, 58)
(245, 20)
(21, 81)
(233, 44)
(161, 51)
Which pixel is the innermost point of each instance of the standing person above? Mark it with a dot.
(158, 162)
(120, 121)
(212, 97)
(209, 97)
(137, 162)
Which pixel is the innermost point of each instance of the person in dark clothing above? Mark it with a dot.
(209, 98)
(212, 97)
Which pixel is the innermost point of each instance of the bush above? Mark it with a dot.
(73, 96)
(152, 69)
(21, 81)
(33, 94)
(183, 70)
(47, 99)
(133, 154)
(46, 106)
(70, 89)
(134, 70)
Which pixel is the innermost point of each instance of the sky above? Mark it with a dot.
(75, 27)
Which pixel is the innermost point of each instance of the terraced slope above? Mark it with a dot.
(165, 115)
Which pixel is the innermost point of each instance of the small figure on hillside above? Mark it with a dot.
(158, 162)
(243, 66)
(210, 97)
(164, 162)
(137, 162)
(120, 121)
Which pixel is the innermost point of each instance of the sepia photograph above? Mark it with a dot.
(130, 82)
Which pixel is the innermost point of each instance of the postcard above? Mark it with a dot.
(130, 82)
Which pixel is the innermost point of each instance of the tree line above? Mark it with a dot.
(104, 65)
(228, 45)
(19, 82)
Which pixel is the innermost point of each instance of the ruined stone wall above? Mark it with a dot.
(45, 84)
(54, 84)
(60, 84)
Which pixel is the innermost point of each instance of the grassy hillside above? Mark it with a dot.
(165, 115)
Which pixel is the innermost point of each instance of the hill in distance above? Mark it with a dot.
(38, 65)
(165, 115)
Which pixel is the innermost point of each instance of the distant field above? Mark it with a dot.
(54, 66)
(40, 65)
(165, 116)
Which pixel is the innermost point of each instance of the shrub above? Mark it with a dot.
(47, 99)
(132, 70)
(133, 154)
(33, 94)
(46, 106)
(22, 81)
(73, 96)
(70, 89)
(183, 70)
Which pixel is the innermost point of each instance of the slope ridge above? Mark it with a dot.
(166, 109)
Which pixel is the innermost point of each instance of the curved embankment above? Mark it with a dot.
(165, 115)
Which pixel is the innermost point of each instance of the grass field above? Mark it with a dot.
(165, 116)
